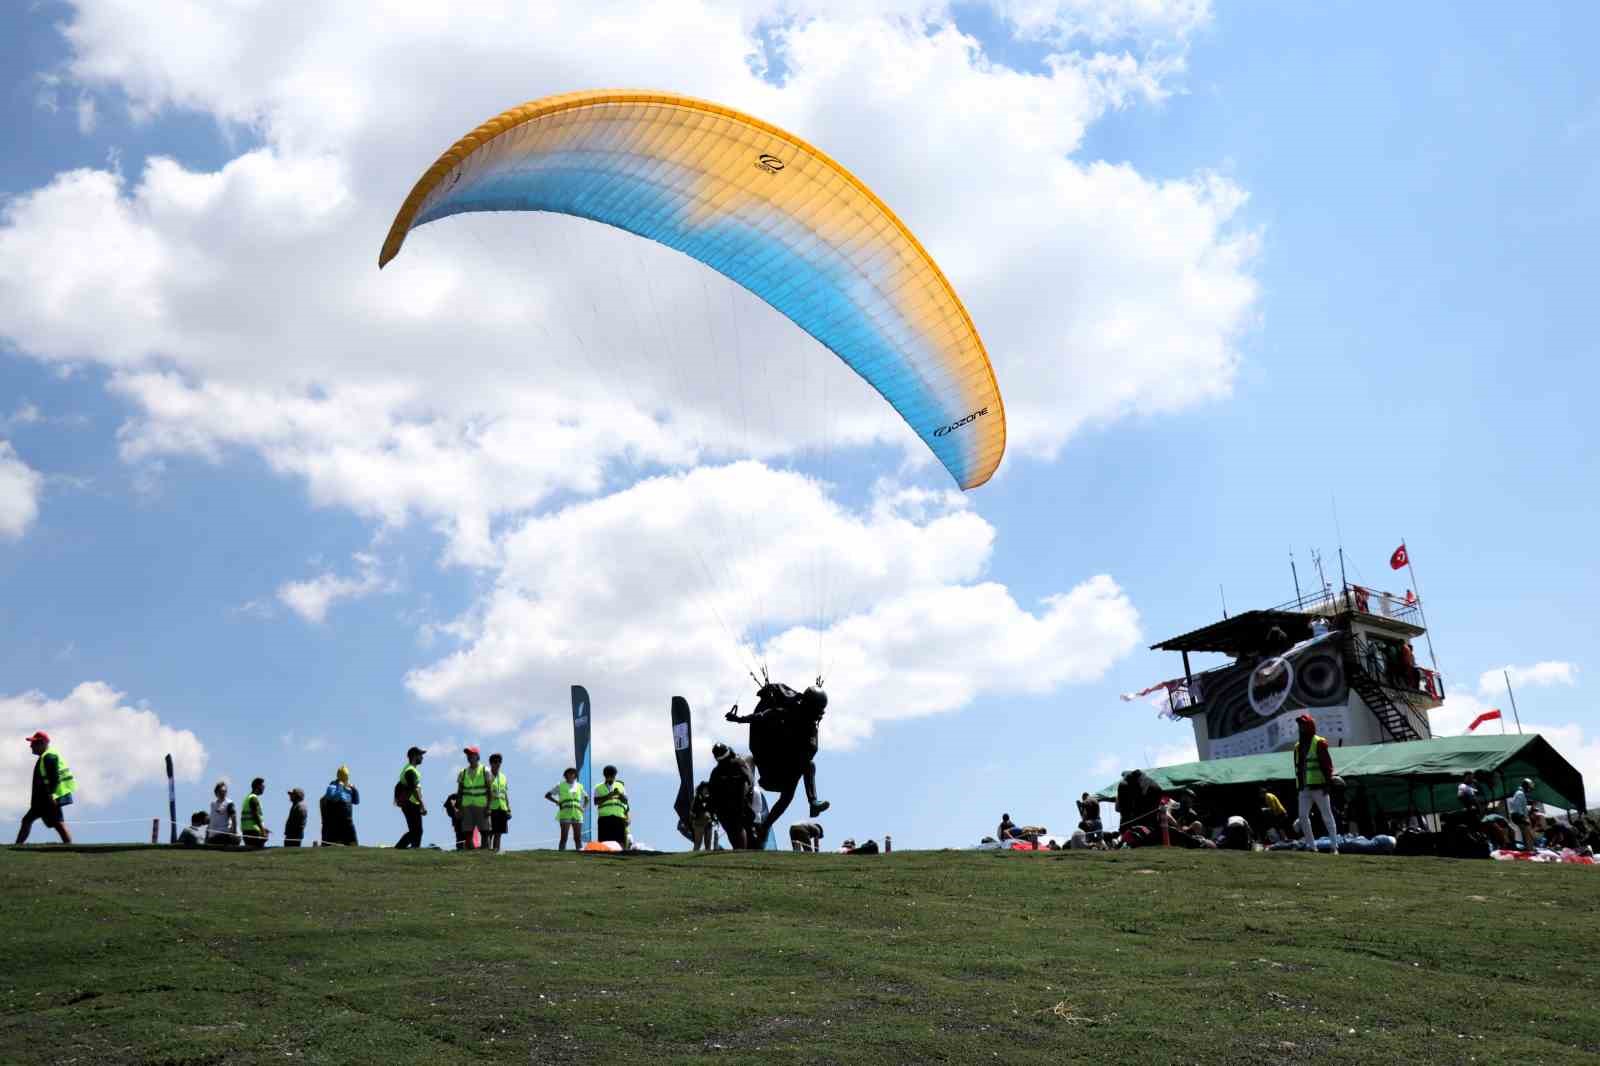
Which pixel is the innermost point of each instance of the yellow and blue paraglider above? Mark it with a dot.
(760, 206)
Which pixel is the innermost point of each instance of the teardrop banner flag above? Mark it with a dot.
(682, 747)
(581, 715)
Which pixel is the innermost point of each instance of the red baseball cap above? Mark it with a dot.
(471, 749)
(40, 735)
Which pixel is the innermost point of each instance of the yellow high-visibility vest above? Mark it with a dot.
(611, 801)
(64, 783)
(569, 802)
(415, 784)
(474, 787)
(1315, 778)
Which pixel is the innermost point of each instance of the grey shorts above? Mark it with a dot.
(474, 818)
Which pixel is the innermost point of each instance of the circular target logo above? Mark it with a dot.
(1269, 686)
(770, 163)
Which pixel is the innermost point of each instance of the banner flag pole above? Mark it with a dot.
(172, 802)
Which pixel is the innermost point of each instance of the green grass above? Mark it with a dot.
(1156, 956)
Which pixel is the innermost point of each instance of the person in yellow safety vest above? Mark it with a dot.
(570, 801)
(52, 790)
(472, 793)
(252, 821)
(611, 804)
(1313, 772)
(499, 802)
(408, 797)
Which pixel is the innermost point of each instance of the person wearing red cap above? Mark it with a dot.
(1313, 772)
(472, 793)
(52, 790)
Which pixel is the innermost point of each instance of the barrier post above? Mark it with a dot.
(155, 830)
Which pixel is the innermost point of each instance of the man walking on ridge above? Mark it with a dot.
(611, 804)
(472, 788)
(52, 790)
(570, 801)
(1313, 771)
(408, 797)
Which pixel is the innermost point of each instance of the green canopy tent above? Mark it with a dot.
(1418, 776)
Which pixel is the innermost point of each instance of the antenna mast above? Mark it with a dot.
(1507, 675)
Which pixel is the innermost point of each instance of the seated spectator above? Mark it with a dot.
(194, 834)
(1008, 830)
(1467, 793)
(1191, 835)
(1089, 814)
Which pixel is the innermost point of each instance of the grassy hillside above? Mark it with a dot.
(1156, 956)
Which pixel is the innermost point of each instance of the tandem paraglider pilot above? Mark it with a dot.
(783, 743)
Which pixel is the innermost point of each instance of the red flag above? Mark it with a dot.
(1399, 559)
(1486, 716)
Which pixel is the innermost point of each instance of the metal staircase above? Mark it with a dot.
(1379, 698)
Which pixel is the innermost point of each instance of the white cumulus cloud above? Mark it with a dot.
(313, 598)
(680, 585)
(111, 747)
(1549, 672)
(20, 486)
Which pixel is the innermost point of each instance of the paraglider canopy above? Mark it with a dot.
(760, 206)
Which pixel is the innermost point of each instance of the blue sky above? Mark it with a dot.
(1411, 214)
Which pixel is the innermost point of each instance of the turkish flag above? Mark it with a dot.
(1399, 558)
(1486, 716)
